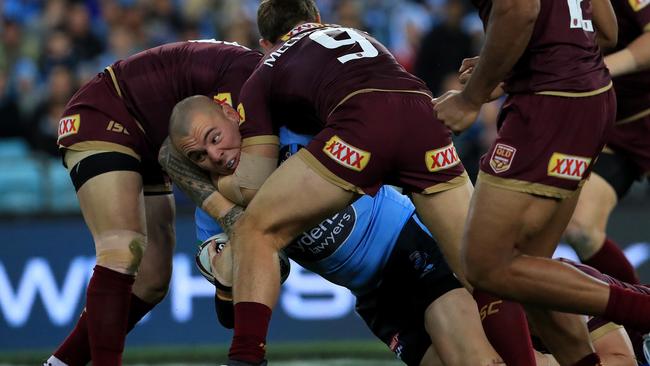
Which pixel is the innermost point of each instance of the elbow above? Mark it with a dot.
(608, 40)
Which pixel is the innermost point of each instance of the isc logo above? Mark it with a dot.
(567, 166)
(442, 158)
(116, 127)
(346, 154)
(69, 125)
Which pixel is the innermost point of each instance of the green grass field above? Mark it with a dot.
(342, 353)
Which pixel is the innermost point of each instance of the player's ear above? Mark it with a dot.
(230, 112)
(265, 44)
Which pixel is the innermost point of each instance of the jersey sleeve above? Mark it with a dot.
(641, 11)
(255, 122)
(234, 78)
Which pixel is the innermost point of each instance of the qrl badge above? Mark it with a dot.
(568, 166)
(346, 154)
(442, 158)
(69, 125)
(502, 157)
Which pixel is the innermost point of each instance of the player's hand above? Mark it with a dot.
(455, 111)
(468, 64)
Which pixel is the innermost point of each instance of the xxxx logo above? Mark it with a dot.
(639, 4)
(502, 157)
(346, 154)
(442, 158)
(69, 125)
(568, 166)
(223, 98)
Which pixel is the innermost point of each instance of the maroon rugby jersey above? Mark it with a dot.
(301, 81)
(632, 90)
(153, 81)
(562, 54)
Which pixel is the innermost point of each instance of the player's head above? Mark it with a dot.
(207, 133)
(277, 17)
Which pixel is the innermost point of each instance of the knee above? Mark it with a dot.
(120, 250)
(583, 237)
(155, 292)
(485, 274)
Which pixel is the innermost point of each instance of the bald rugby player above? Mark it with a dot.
(109, 136)
(373, 123)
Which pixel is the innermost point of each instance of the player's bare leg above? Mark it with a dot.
(565, 335)
(293, 199)
(445, 215)
(508, 234)
(615, 349)
(113, 208)
(586, 231)
(503, 226)
(454, 345)
(152, 282)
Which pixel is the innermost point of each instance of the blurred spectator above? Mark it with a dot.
(85, 43)
(58, 51)
(409, 20)
(61, 85)
(348, 13)
(11, 124)
(121, 44)
(163, 22)
(444, 48)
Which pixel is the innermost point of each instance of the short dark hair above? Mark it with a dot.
(277, 17)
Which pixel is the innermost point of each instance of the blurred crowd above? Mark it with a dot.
(49, 48)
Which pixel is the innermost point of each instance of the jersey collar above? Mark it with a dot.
(299, 29)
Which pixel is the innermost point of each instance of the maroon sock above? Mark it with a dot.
(591, 359)
(137, 310)
(75, 350)
(506, 328)
(628, 308)
(251, 325)
(611, 260)
(107, 312)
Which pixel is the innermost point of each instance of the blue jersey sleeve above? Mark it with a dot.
(206, 226)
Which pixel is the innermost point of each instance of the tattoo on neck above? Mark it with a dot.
(196, 184)
(228, 220)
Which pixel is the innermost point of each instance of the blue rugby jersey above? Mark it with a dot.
(350, 248)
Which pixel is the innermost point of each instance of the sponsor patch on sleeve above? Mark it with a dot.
(69, 125)
(568, 166)
(637, 5)
(443, 158)
(242, 113)
(223, 98)
(502, 157)
(345, 154)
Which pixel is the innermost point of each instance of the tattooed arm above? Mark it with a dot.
(198, 186)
